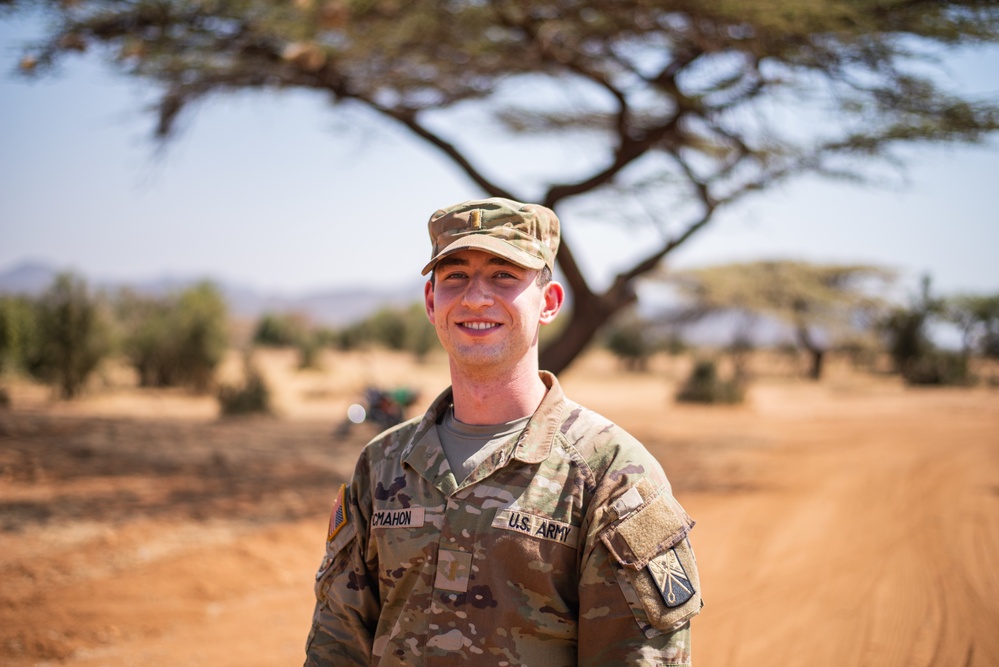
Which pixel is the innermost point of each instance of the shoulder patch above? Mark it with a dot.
(666, 593)
(338, 515)
(671, 579)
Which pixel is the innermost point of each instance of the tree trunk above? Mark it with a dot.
(589, 313)
(817, 351)
(818, 355)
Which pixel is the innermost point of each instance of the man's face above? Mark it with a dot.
(487, 311)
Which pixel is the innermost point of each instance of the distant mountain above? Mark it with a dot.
(332, 307)
(29, 278)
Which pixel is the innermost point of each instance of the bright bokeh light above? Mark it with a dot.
(356, 413)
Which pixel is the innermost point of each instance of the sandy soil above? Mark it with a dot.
(849, 522)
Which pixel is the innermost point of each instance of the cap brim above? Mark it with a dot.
(493, 246)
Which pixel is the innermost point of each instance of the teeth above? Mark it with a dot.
(480, 325)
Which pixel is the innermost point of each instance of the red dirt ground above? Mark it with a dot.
(848, 522)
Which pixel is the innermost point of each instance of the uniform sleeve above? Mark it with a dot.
(639, 585)
(347, 605)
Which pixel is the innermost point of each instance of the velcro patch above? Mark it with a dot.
(647, 532)
(453, 570)
(338, 515)
(537, 526)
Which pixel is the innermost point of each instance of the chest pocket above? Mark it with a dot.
(657, 573)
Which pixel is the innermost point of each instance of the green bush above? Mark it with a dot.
(704, 386)
(18, 328)
(937, 368)
(421, 337)
(393, 328)
(388, 328)
(72, 336)
(630, 345)
(308, 347)
(175, 340)
(252, 397)
(293, 330)
(280, 330)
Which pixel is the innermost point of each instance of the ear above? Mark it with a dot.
(428, 300)
(554, 297)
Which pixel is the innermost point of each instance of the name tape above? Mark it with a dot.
(407, 518)
(537, 526)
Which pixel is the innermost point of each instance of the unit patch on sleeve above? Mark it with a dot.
(338, 515)
(671, 579)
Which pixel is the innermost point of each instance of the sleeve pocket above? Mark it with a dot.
(334, 562)
(656, 567)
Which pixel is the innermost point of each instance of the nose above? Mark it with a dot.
(477, 294)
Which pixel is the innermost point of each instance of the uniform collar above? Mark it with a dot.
(424, 451)
(535, 443)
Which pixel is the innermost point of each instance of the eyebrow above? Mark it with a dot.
(458, 261)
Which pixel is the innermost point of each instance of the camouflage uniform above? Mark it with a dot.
(565, 547)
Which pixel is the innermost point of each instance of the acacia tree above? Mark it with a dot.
(977, 316)
(687, 106)
(820, 302)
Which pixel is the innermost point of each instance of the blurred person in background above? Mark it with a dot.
(508, 525)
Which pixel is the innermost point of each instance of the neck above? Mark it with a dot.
(496, 400)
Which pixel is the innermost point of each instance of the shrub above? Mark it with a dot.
(280, 330)
(907, 339)
(251, 397)
(204, 338)
(175, 340)
(18, 328)
(704, 386)
(308, 351)
(293, 330)
(72, 336)
(388, 328)
(396, 329)
(937, 368)
(421, 337)
(629, 344)
(906, 327)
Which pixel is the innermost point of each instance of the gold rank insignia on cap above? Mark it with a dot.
(671, 579)
(338, 515)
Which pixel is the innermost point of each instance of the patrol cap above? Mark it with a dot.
(525, 234)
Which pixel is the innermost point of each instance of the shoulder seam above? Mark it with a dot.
(577, 458)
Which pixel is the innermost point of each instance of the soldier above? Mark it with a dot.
(508, 525)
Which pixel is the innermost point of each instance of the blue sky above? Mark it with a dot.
(281, 193)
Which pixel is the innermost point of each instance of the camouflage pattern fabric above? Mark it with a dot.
(526, 234)
(564, 548)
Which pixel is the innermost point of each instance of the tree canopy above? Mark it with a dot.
(820, 302)
(688, 106)
(977, 316)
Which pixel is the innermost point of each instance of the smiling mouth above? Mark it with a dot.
(479, 326)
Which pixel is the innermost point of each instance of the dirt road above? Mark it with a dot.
(845, 523)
